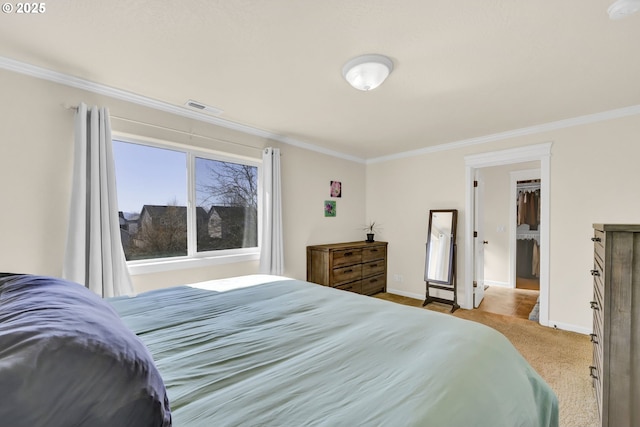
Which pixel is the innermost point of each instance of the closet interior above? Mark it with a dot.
(528, 235)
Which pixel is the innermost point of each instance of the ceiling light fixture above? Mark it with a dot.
(623, 8)
(367, 72)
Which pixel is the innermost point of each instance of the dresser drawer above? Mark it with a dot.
(597, 385)
(598, 251)
(375, 284)
(372, 268)
(345, 265)
(351, 287)
(598, 271)
(373, 253)
(595, 370)
(596, 308)
(598, 292)
(346, 274)
(598, 244)
(347, 257)
(597, 340)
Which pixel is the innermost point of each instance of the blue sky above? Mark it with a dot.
(149, 175)
(157, 176)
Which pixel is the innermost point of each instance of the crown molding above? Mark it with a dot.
(531, 130)
(134, 98)
(527, 153)
(98, 88)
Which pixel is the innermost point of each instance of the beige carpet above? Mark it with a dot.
(560, 357)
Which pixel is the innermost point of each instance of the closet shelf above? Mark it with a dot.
(528, 235)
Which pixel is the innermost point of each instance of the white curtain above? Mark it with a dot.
(94, 255)
(271, 252)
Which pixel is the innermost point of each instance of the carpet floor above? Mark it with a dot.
(560, 357)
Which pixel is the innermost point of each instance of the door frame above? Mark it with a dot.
(538, 152)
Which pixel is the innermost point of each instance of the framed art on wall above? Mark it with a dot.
(336, 189)
(329, 208)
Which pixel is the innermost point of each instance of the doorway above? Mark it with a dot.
(525, 216)
(510, 235)
(473, 163)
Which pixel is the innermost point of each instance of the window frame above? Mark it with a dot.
(195, 259)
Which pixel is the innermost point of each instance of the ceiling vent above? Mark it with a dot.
(199, 106)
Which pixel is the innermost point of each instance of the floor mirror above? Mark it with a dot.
(440, 260)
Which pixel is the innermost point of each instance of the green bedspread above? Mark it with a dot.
(291, 353)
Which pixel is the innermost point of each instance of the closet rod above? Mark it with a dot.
(75, 108)
(528, 187)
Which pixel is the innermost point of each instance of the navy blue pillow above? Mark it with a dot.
(67, 359)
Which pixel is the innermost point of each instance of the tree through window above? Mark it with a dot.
(153, 186)
(227, 198)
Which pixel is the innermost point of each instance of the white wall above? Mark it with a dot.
(36, 155)
(497, 220)
(306, 177)
(400, 194)
(594, 176)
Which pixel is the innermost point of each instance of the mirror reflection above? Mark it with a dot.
(441, 237)
(439, 255)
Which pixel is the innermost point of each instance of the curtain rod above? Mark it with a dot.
(75, 108)
(186, 133)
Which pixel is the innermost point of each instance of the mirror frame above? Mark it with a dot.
(450, 269)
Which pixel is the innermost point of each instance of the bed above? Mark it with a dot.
(271, 351)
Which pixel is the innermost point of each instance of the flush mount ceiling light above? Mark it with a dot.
(367, 72)
(623, 8)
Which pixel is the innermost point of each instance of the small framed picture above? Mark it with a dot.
(336, 189)
(329, 208)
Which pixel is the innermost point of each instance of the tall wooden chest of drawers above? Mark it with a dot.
(359, 267)
(616, 324)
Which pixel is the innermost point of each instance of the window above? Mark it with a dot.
(227, 205)
(182, 204)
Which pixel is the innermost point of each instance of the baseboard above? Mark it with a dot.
(552, 324)
(405, 294)
(498, 284)
(433, 293)
(569, 327)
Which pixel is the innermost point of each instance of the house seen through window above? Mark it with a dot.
(159, 220)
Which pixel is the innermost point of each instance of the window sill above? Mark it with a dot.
(158, 266)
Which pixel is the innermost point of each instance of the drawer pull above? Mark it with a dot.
(596, 239)
(374, 250)
(591, 372)
(595, 273)
(349, 271)
(348, 253)
(594, 305)
(593, 338)
(374, 265)
(373, 280)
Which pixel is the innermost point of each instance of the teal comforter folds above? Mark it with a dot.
(291, 353)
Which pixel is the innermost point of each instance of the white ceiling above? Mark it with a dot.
(463, 69)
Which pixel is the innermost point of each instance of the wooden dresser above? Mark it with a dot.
(616, 324)
(359, 267)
